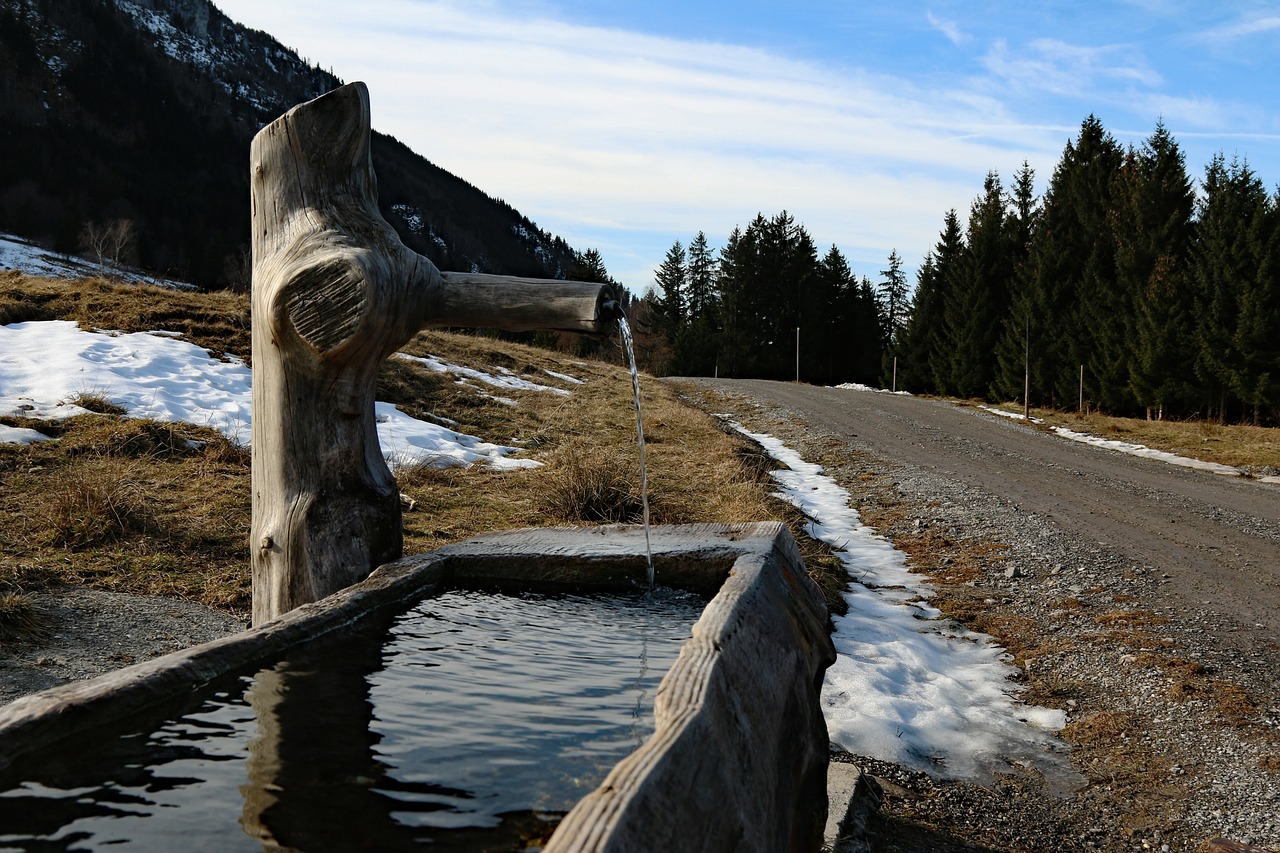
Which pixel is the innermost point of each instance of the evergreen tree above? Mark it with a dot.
(892, 296)
(1154, 231)
(701, 276)
(735, 280)
(976, 306)
(1257, 336)
(831, 343)
(856, 347)
(670, 306)
(1227, 254)
(923, 341)
(697, 347)
(1009, 377)
(1072, 282)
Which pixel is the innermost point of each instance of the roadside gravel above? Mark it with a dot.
(88, 632)
(1173, 707)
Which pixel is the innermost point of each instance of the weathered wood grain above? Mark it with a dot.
(334, 293)
(739, 756)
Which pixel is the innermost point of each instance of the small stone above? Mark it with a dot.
(1013, 572)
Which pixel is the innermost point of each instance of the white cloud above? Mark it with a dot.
(625, 142)
(1245, 28)
(1051, 65)
(950, 29)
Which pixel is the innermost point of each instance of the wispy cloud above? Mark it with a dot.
(950, 29)
(624, 141)
(1054, 66)
(1244, 29)
(598, 131)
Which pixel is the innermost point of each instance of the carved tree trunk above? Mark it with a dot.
(334, 293)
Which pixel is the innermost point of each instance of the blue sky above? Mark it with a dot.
(624, 126)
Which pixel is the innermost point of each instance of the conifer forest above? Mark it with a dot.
(1128, 287)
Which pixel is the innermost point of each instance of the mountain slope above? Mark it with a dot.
(143, 110)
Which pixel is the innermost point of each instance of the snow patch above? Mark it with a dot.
(858, 386)
(1133, 449)
(501, 378)
(46, 365)
(17, 253)
(908, 685)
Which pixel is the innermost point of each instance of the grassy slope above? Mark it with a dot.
(131, 505)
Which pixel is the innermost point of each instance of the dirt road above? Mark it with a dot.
(1140, 598)
(1217, 537)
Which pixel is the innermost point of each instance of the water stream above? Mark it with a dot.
(625, 328)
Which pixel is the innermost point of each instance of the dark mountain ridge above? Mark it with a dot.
(143, 110)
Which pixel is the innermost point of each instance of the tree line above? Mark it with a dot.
(1121, 289)
(767, 306)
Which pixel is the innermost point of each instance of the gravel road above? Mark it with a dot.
(1141, 597)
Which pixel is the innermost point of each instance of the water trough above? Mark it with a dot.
(738, 755)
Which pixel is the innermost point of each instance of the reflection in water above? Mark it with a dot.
(471, 722)
(171, 789)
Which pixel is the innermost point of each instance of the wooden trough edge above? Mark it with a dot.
(40, 720)
(738, 759)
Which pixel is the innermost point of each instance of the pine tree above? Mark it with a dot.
(1009, 377)
(977, 304)
(697, 346)
(1153, 244)
(1257, 336)
(1072, 283)
(670, 306)
(735, 281)
(701, 279)
(892, 293)
(853, 346)
(923, 341)
(1226, 254)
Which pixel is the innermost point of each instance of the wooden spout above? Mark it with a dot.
(335, 292)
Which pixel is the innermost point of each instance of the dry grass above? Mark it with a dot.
(95, 503)
(591, 488)
(218, 321)
(1240, 445)
(587, 444)
(19, 619)
(139, 506)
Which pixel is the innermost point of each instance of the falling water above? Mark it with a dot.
(625, 328)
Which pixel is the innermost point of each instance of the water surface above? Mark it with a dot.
(472, 721)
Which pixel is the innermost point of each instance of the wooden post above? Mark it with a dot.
(334, 293)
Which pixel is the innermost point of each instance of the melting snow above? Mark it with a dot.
(46, 365)
(503, 379)
(910, 686)
(1131, 449)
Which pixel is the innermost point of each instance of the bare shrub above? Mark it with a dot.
(19, 619)
(591, 488)
(98, 403)
(96, 502)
